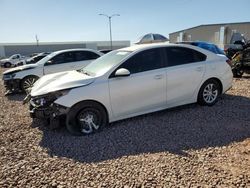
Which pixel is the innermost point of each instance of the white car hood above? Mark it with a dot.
(60, 81)
(17, 69)
(4, 60)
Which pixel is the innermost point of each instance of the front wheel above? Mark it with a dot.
(209, 93)
(27, 83)
(86, 118)
(7, 65)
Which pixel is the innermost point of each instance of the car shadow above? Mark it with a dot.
(174, 130)
(247, 76)
(16, 96)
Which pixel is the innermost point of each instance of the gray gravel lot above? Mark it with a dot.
(188, 146)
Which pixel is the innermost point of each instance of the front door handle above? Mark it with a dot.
(158, 77)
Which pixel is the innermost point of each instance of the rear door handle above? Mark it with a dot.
(158, 77)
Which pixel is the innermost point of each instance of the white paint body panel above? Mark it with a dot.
(40, 68)
(151, 93)
(13, 61)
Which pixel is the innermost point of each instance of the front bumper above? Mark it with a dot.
(12, 85)
(52, 111)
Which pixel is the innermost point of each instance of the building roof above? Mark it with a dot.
(234, 23)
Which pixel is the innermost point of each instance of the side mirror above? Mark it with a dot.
(122, 73)
(49, 62)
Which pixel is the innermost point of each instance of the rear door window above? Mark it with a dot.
(180, 55)
(85, 55)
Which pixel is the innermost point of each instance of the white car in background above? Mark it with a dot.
(12, 60)
(23, 77)
(129, 82)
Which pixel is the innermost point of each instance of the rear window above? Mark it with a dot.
(159, 37)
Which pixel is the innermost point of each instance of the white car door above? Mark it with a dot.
(59, 63)
(145, 88)
(15, 59)
(185, 71)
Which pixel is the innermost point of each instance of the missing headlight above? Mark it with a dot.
(47, 100)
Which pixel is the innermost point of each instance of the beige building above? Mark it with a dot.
(221, 34)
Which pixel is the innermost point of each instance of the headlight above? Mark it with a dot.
(61, 93)
(8, 76)
(47, 100)
(40, 101)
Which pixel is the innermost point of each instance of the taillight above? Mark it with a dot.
(229, 62)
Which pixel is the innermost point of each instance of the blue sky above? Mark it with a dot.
(78, 20)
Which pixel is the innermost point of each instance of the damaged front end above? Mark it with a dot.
(11, 84)
(43, 107)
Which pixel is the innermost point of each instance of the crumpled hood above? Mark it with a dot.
(60, 81)
(17, 69)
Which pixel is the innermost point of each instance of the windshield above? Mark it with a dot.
(45, 59)
(103, 64)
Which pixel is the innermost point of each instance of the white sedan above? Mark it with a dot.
(129, 82)
(23, 77)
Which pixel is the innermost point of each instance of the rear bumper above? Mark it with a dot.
(227, 81)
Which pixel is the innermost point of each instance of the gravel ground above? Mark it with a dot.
(189, 146)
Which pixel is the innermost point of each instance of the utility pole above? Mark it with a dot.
(110, 27)
(37, 41)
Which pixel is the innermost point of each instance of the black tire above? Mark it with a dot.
(28, 80)
(205, 94)
(237, 73)
(76, 120)
(7, 65)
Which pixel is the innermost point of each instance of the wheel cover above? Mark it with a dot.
(88, 121)
(28, 84)
(210, 93)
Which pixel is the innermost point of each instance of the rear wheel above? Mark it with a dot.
(86, 118)
(27, 83)
(209, 93)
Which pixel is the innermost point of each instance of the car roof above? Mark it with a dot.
(155, 45)
(197, 42)
(75, 49)
(141, 47)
